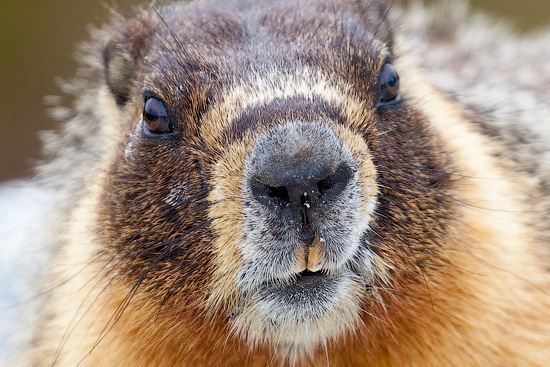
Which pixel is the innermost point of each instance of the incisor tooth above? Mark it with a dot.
(302, 264)
(314, 258)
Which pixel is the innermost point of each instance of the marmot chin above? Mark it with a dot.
(301, 183)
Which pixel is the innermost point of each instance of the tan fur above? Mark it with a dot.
(458, 270)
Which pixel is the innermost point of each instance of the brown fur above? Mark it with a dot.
(148, 250)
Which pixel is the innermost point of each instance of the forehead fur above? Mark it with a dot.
(213, 25)
(215, 46)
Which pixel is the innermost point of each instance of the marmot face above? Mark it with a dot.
(272, 179)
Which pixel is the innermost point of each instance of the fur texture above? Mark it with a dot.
(292, 214)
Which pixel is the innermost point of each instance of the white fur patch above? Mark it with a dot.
(296, 331)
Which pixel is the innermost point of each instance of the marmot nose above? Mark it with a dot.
(297, 168)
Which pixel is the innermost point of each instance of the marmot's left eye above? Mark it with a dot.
(155, 118)
(389, 84)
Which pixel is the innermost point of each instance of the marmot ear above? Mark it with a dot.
(123, 55)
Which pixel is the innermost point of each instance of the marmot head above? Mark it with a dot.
(271, 177)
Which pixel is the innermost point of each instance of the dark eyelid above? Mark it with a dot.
(147, 94)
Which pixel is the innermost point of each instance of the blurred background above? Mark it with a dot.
(37, 43)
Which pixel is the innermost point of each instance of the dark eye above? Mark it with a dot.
(155, 118)
(389, 84)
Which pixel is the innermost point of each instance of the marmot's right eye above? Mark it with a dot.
(155, 118)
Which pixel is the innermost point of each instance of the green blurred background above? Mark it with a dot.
(37, 43)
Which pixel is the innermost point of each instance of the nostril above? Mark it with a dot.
(279, 193)
(269, 195)
(334, 184)
(325, 185)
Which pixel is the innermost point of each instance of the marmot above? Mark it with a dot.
(301, 183)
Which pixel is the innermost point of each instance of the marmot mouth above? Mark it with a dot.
(307, 277)
(306, 300)
(307, 286)
(301, 312)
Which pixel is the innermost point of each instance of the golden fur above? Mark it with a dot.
(152, 264)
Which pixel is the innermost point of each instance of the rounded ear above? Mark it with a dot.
(124, 53)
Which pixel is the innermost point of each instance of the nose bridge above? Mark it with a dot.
(297, 152)
(296, 155)
(269, 114)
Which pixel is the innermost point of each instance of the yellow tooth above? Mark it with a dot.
(302, 264)
(314, 258)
